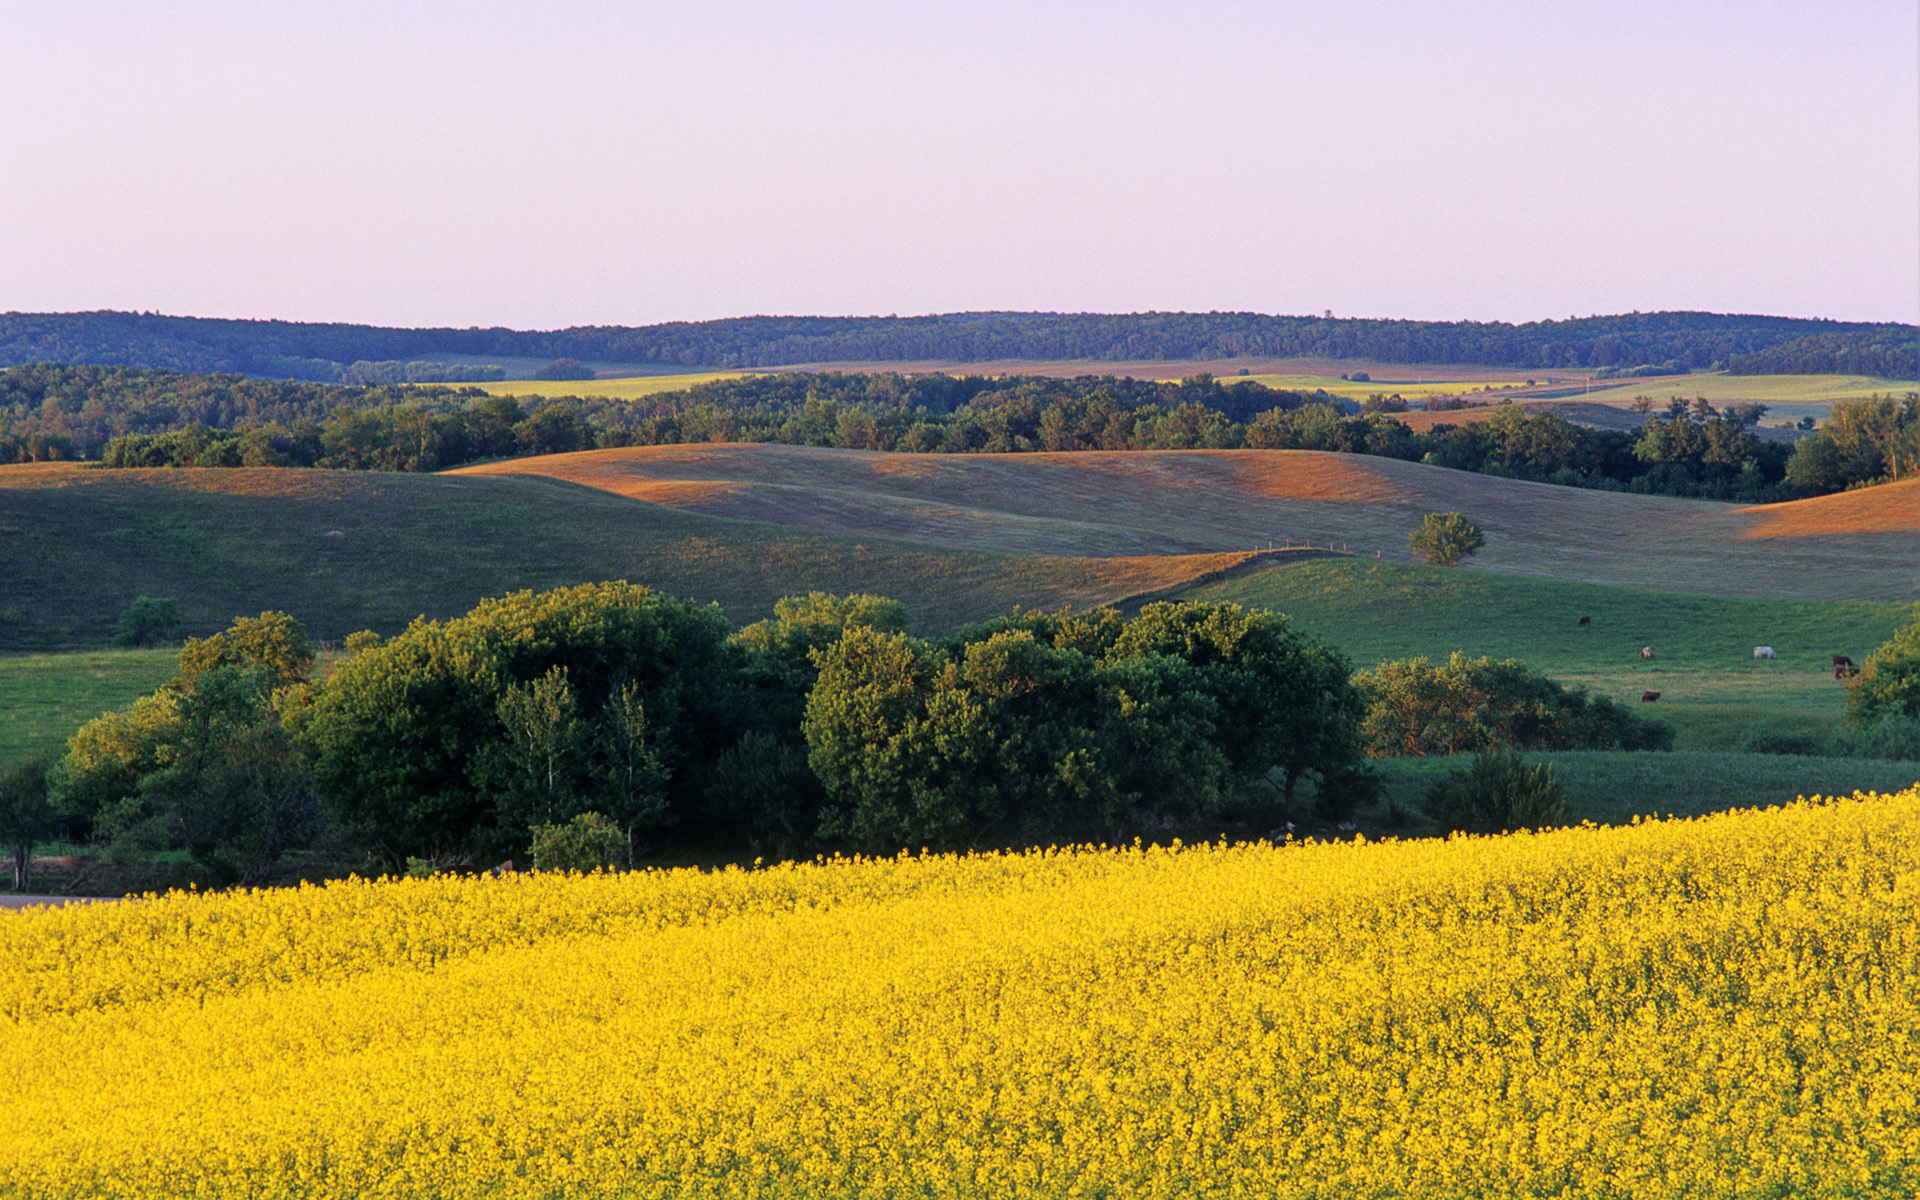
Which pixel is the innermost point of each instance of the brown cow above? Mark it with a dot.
(1841, 660)
(1646, 652)
(1586, 620)
(1649, 697)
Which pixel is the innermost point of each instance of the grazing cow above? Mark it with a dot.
(1845, 672)
(1763, 651)
(1586, 621)
(1649, 697)
(1646, 652)
(1841, 660)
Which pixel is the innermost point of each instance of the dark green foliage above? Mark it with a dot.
(1863, 442)
(147, 620)
(1015, 729)
(1496, 794)
(1889, 680)
(26, 816)
(1466, 706)
(202, 766)
(588, 842)
(1889, 351)
(763, 792)
(531, 708)
(1888, 736)
(565, 368)
(1680, 340)
(1443, 539)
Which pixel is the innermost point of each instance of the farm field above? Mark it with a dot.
(617, 387)
(1200, 501)
(1679, 1009)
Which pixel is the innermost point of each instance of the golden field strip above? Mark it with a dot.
(1721, 1007)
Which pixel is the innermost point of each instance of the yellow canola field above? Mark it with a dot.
(1723, 1007)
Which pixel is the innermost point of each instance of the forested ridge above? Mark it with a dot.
(332, 352)
(129, 418)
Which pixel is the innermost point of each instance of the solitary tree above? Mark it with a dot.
(147, 620)
(25, 815)
(1446, 538)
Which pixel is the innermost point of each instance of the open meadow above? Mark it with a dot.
(1711, 1008)
(1858, 546)
(350, 550)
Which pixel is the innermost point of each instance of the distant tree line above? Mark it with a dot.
(53, 411)
(828, 727)
(1888, 351)
(156, 418)
(1683, 450)
(1675, 341)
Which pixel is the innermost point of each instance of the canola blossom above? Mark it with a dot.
(1722, 1007)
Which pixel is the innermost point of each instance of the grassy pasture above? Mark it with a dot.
(1856, 547)
(345, 550)
(45, 697)
(1711, 687)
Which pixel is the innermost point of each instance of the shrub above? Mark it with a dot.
(1443, 539)
(147, 620)
(588, 842)
(1889, 736)
(1889, 681)
(1499, 792)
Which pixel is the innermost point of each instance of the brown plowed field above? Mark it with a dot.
(1197, 502)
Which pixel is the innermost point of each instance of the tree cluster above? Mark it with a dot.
(607, 721)
(1416, 708)
(828, 726)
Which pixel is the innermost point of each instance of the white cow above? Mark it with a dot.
(1763, 651)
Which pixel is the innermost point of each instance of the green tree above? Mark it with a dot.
(1443, 539)
(1285, 700)
(26, 816)
(147, 620)
(272, 640)
(1496, 794)
(1473, 705)
(409, 740)
(207, 769)
(590, 841)
(1888, 684)
(539, 754)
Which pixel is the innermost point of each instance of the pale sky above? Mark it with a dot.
(582, 162)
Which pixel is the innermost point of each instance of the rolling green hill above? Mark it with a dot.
(1852, 546)
(348, 550)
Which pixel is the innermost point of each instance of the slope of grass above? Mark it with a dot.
(1703, 645)
(45, 697)
(350, 550)
(1186, 502)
